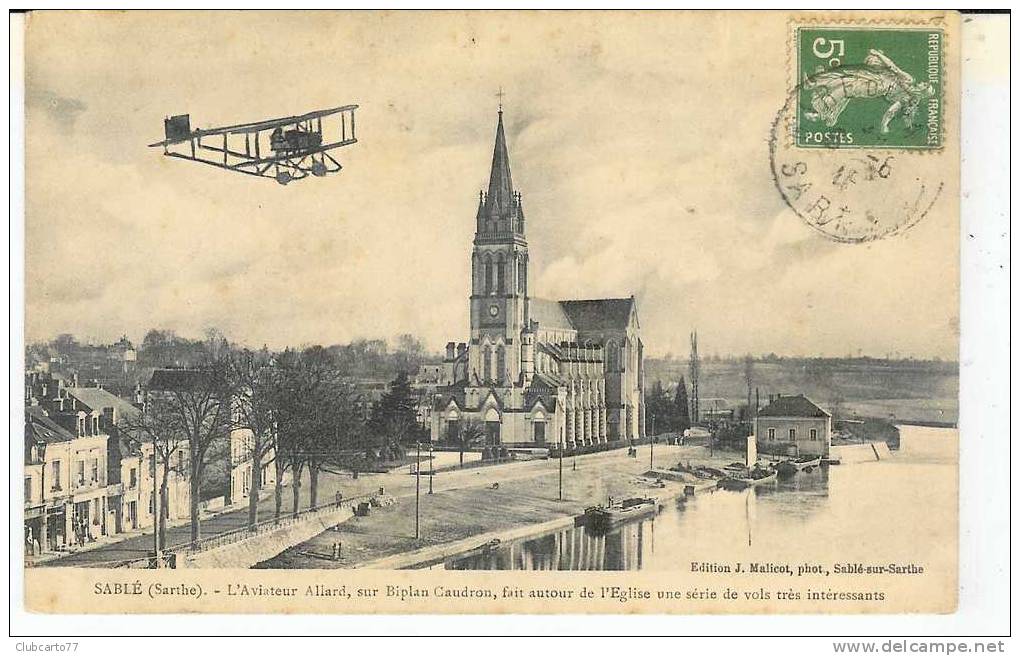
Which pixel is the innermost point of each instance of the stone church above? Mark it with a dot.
(536, 372)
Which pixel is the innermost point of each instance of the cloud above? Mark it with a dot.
(62, 111)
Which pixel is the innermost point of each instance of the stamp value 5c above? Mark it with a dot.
(868, 87)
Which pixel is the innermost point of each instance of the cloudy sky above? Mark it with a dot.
(639, 143)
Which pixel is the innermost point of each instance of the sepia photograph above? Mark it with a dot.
(491, 312)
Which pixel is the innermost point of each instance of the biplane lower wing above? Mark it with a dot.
(284, 149)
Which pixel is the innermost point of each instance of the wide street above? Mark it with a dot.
(399, 482)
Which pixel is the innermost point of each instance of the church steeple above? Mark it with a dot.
(499, 275)
(500, 211)
(500, 199)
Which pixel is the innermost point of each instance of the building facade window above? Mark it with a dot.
(28, 488)
(793, 434)
(539, 432)
(55, 476)
(80, 480)
(814, 434)
(772, 434)
(133, 478)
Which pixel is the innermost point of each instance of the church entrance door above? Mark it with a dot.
(539, 432)
(492, 433)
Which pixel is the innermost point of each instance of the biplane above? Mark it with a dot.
(284, 149)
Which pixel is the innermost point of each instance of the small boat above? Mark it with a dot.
(606, 517)
(491, 544)
(790, 467)
(756, 476)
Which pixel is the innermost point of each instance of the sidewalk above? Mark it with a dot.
(130, 545)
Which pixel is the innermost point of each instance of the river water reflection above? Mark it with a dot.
(900, 508)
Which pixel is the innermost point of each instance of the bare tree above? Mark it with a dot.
(253, 380)
(158, 424)
(199, 401)
(301, 411)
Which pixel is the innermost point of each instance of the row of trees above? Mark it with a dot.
(361, 357)
(301, 411)
(671, 413)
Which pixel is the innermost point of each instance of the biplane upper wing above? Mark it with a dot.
(286, 148)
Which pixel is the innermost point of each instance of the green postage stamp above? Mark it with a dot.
(865, 87)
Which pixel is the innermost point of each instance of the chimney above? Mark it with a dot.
(109, 417)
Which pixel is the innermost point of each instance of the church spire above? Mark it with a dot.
(500, 199)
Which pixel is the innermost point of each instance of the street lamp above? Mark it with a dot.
(417, 489)
(561, 464)
(156, 511)
(651, 446)
(432, 467)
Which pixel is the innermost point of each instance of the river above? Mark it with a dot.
(900, 508)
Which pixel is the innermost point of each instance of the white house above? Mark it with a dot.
(793, 425)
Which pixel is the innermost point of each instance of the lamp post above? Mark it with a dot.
(561, 464)
(156, 512)
(417, 490)
(432, 466)
(651, 446)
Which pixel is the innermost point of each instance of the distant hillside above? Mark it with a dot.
(907, 390)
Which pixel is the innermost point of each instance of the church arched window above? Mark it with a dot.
(487, 363)
(500, 363)
(500, 275)
(522, 276)
(612, 356)
(488, 275)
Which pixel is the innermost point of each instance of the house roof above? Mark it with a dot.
(97, 399)
(792, 406)
(40, 428)
(600, 313)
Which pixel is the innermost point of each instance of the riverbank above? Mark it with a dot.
(455, 520)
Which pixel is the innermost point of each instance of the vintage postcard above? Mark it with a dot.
(491, 312)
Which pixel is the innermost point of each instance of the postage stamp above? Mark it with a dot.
(873, 87)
